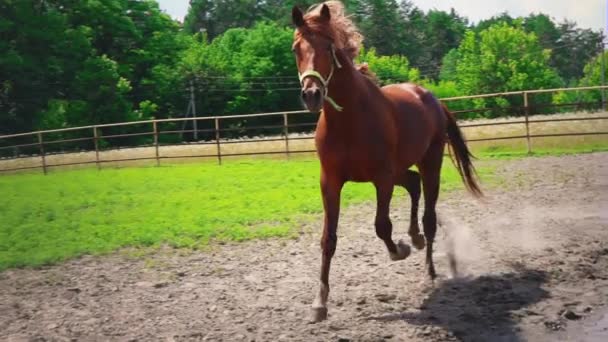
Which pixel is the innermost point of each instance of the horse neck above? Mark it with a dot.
(345, 88)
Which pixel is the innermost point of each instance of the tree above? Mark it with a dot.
(33, 51)
(68, 62)
(443, 32)
(244, 71)
(216, 16)
(449, 64)
(503, 58)
(381, 25)
(592, 76)
(592, 72)
(544, 28)
(413, 37)
(571, 47)
(389, 69)
(503, 17)
(574, 48)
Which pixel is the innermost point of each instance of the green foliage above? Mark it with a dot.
(67, 214)
(216, 16)
(80, 62)
(66, 63)
(503, 58)
(443, 32)
(445, 89)
(501, 18)
(147, 109)
(593, 71)
(448, 68)
(231, 72)
(592, 77)
(389, 69)
(572, 47)
(381, 24)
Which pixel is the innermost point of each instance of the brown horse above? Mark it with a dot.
(371, 134)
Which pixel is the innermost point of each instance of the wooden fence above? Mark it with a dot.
(41, 140)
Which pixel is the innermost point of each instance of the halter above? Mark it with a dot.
(324, 81)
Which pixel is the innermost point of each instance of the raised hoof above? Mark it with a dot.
(403, 251)
(418, 241)
(318, 315)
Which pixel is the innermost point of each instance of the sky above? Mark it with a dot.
(587, 13)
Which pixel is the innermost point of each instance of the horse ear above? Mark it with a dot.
(297, 17)
(325, 13)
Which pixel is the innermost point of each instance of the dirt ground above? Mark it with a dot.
(533, 266)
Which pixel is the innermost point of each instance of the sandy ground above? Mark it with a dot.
(533, 266)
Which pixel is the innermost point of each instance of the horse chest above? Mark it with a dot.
(353, 161)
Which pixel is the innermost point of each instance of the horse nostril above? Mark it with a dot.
(317, 94)
(303, 94)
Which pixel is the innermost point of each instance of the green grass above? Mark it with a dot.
(47, 219)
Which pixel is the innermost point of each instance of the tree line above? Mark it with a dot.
(66, 63)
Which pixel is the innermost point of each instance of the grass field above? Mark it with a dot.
(46, 219)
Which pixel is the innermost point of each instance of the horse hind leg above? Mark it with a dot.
(411, 182)
(430, 170)
(384, 226)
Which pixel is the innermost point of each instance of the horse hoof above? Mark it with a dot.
(318, 315)
(418, 241)
(403, 251)
(432, 273)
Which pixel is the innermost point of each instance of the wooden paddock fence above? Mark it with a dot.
(40, 139)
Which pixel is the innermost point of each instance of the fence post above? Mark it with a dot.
(41, 143)
(603, 71)
(155, 127)
(217, 140)
(527, 112)
(96, 141)
(286, 132)
(193, 106)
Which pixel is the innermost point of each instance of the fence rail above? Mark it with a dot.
(40, 142)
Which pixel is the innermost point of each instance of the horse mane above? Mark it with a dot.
(364, 69)
(341, 29)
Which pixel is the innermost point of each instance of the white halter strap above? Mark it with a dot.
(325, 82)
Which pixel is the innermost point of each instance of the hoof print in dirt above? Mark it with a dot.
(554, 325)
(571, 315)
(385, 298)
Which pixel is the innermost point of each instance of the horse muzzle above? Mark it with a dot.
(312, 98)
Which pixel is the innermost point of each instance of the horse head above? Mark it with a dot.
(315, 54)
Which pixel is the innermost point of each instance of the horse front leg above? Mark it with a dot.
(330, 190)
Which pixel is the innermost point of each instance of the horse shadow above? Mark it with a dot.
(479, 308)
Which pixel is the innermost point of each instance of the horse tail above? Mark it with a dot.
(463, 156)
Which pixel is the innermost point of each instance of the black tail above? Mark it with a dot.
(463, 155)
